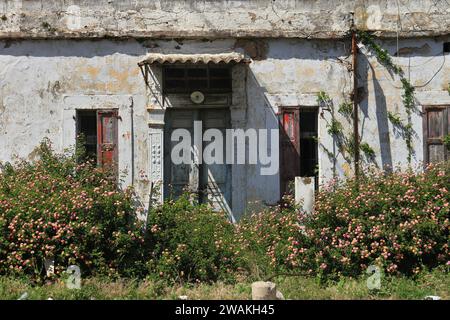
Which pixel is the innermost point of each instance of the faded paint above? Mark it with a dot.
(66, 75)
(43, 82)
(219, 18)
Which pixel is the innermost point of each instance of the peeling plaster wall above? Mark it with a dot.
(428, 69)
(43, 82)
(219, 18)
(292, 74)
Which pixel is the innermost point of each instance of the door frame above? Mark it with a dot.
(446, 130)
(282, 141)
(113, 113)
(197, 116)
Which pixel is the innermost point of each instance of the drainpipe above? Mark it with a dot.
(132, 139)
(355, 101)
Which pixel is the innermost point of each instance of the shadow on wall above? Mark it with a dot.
(259, 115)
(424, 53)
(380, 110)
(71, 48)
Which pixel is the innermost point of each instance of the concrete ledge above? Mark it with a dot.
(43, 19)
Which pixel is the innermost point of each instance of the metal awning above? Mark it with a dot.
(161, 58)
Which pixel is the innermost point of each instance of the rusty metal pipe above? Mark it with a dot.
(355, 102)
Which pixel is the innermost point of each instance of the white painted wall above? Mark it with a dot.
(42, 82)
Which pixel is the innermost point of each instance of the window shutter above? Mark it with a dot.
(107, 137)
(436, 126)
(289, 146)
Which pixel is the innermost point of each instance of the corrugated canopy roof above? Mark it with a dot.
(231, 57)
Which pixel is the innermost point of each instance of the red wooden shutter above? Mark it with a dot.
(107, 133)
(289, 146)
(436, 122)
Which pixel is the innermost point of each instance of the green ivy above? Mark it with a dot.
(350, 146)
(323, 98)
(408, 134)
(334, 127)
(408, 90)
(446, 141)
(408, 95)
(382, 55)
(367, 150)
(395, 119)
(346, 109)
(346, 144)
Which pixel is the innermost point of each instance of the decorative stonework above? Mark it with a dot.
(238, 110)
(158, 104)
(156, 160)
(156, 112)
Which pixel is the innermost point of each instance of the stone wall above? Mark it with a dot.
(220, 18)
(42, 82)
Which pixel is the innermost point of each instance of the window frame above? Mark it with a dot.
(295, 142)
(186, 89)
(100, 143)
(82, 113)
(425, 130)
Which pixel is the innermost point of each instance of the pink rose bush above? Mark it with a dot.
(57, 208)
(60, 208)
(399, 221)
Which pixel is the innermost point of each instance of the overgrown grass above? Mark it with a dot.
(436, 282)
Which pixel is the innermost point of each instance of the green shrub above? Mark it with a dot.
(446, 141)
(191, 242)
(268, 238)
(398, 221)
(71, 212)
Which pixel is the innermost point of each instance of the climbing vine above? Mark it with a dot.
(346, 109)
(394, 119)
(335, 128)
(408, 90)
(367, 150)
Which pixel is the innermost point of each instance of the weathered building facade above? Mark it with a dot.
(122, 73)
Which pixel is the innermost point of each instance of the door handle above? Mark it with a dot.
(108, 147)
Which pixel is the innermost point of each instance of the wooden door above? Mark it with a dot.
(211, 182)
(289, 146)
(215, 179)
(436, 125)
(182, 177)
(107, 137)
